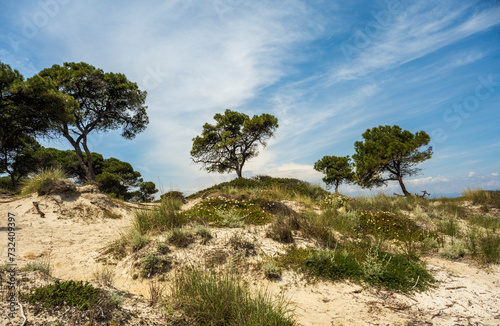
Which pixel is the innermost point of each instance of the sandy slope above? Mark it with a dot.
(75, 229)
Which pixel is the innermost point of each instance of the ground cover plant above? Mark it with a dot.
(221, 211)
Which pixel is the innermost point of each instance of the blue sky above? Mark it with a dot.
(328, 70)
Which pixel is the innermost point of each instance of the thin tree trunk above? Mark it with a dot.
(79, 156)
(336, 188)
(403, 188)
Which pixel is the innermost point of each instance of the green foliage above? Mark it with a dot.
(17, 158)
(271, 271)
(71, 293)
(390, 226)
(337, 170)
(232, 141)
(160, 219)
(270, 188)
(208, 298)
(454, 250)
(106, 101)
(162, 248)
(37, 180)
(334, 201)
(180, 238)
(482, 197)
(204, 233)
(29, 108)
(220, 211)
(43, 266)
(137, 240)
(449, 227)
(361, 262)
(152, 265)
(175, 195)
(389, 153)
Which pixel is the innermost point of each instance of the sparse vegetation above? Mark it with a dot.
(41, 265)
(208, 298)
(153, 264)
(180, 238)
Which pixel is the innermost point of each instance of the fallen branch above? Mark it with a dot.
(42, 214)
(456, 287)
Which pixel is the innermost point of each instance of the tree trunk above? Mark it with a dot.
(79, 156)
(90, 165)
(403, 188)
(238, 172)
(336, 188)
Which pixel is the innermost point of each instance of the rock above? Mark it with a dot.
(90, 188)
(57, 187)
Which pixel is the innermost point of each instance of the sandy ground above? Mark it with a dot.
(76, 228)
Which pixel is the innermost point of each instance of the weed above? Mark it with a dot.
(489, 247)
(281, 230)
(104, 276)
(180, 238)
(318, 227)
(454, 250)
(204, 233)
(487, 222)
(374, 267)
(151, 265)
(334, 201)
(476, 195)
(138, 240)
(43, 266)
(162, 248)
(208, 298)
(449, 227)
(271, 271)
(155, 292)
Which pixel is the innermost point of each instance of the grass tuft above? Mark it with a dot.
(208, 298)
(35, 182)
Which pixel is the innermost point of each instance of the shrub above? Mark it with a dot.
(476, 195)
(208, 298)
(151, 265)
(36, 181)
(449, 227)
(162, 248)
(137, 240)
(180, 238)
(72, 293)
(175, 195)
(334, 201)
(454, 250)
(318, 227)
(489, 247)
(271, 271)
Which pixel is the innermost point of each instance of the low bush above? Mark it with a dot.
(72, 293)
(180, 238)
(153, 264)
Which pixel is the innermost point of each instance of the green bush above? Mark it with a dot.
(152, 264)
(137, 240)
(204, 233)
(162, 248)
(72, 293)
(271, 271)
(334, 201)
(208, 298)
(42, 266)
(281, 230)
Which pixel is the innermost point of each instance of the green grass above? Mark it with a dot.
(43, 266)
(165, 217)
(180, 238)
(35, 182)
(152, 265)
(208, 298)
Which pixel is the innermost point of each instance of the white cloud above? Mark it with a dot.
(495, 174)
(428, 180)
(471, 174)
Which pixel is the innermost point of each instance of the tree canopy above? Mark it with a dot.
(389, 153)
(337, 170)
(232, 141)
(105, 101)
(29, 108)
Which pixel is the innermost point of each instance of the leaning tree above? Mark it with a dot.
(106, 101)
(337, 170)
(232, 141)
(389, 153)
